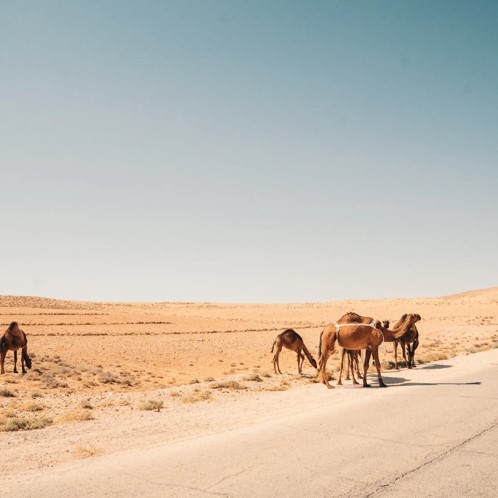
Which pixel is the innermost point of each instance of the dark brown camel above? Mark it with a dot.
(410, 340)
(12, 340)
(291, 340)
(356, 332)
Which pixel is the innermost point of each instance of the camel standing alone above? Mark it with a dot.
(410, 340)
(293, 341)
(356, 332)
(12, 340)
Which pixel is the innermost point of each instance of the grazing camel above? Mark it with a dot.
(293, 341)
(12, 340)
(355, 332)
(410, 340)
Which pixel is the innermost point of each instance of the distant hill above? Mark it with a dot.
(490, 293)
(44, 303)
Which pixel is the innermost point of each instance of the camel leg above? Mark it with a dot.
(375, 353)
(409, 353)
(357, 363)
(327, 347)
(414, 347)
(2, 361)
(352, 356)
(396, 355)
(276, 365)
(349, 365)
(322, 374)
(22, 362)
(15, 362)
(343, 352)
(403, 345)
(300, 361)
(366, 364)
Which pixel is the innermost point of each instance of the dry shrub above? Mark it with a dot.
(86, 451)
(229, 384)
(24, 424)
(253, 378)
(152, 404)
(279, 387)
(33, 407)
(209, 379)
(76, 416)
(86, 405)
(197, 396)
(7, 394)
(110, 378)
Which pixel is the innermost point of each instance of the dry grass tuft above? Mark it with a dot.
(7, 394)
(76, 416)
(11, 424)
(197, 396)
(152, 405)
(253, 378)
(229, 384)
(86, 451)
(33, 407)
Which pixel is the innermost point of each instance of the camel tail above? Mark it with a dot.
(320, 346)
(3, 343)
(273, 347)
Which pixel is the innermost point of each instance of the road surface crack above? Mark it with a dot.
(438, 458)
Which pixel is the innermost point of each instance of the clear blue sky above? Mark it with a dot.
(257, 151)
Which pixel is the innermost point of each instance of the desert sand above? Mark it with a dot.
(102, 371)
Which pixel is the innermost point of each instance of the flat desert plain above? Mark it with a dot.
(113, 376)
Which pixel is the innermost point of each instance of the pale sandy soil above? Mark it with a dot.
(103, 361)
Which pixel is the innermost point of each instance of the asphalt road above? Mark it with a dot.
(433, 432)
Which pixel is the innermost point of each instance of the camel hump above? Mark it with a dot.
(15, 331)
(355, 318)
(291, 335)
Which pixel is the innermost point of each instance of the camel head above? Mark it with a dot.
(313, 363)
(385, 324)
(406, 322)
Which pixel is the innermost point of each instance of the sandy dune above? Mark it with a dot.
(97, 364)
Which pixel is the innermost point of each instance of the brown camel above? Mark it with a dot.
(356, 332)
(410, 340)
(354, 359)
(12, 340)
(291, 340)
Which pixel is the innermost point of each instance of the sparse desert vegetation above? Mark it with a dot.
(98, 360)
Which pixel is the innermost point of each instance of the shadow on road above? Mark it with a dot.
(402, 382)
(434, 366)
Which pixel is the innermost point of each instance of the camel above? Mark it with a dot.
(356, 332)
(353, 359)
(410, 340)
(12, 340)
(293, 341)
